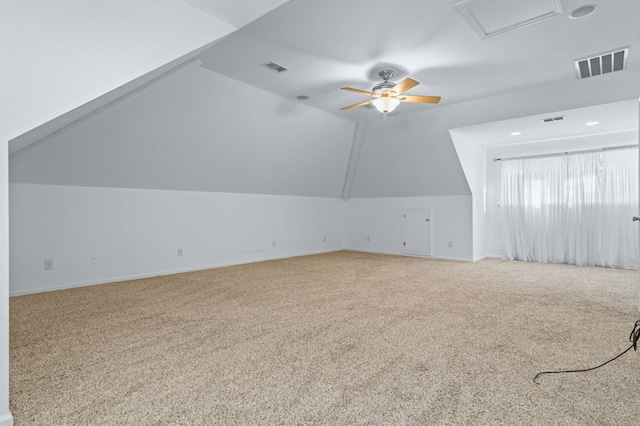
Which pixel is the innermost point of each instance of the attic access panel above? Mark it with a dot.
(492, 17)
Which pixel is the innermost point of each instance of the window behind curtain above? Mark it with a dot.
(574, 208)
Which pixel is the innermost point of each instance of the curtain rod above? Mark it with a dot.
(555, 154)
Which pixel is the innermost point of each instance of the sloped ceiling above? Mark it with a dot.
(234, 12)
(192, 131)
(61, 56)
(227, 127)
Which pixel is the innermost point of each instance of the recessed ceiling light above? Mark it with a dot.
(593, 123)
(302, 97)
(583, 11)
(516, 133)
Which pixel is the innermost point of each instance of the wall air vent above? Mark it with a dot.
(274, 67)
(552, 119)
(602, 64)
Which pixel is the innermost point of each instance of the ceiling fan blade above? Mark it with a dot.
(421, 99)
(356, 105)
(362, 92)
(404, 85)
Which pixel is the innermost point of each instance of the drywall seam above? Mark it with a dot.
(354, 156)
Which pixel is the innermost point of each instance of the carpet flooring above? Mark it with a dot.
(339, 338)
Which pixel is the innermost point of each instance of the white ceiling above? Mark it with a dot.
(333, 43)
(59, 57)
(204, 129)
(234, 12)
(610, 118)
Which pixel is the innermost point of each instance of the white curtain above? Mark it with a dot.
(575, 208)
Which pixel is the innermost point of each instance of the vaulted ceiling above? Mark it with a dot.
(334, 43)
(170, 94)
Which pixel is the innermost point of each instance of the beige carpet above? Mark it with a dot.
(340, 338)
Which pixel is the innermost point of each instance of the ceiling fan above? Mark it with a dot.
(389, 95)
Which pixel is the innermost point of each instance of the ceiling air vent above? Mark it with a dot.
(602, 64)
(552, 119)
(274, 67)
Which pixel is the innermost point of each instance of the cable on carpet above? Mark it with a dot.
(633, 338)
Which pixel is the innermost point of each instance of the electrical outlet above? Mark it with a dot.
(450, 243)
(48, 264)
(368, 238)
(324, 239)
(94, 259)
(179, 252)
(273, 243)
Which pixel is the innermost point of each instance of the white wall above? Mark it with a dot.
(380, 219)
(137, 232)
(534, 148)
(471, 156)
(5, 415)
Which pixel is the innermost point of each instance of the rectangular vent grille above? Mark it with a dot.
(602, 64)
(552, 119)
(274, 67)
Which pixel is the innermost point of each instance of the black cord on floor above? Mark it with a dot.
(633, 338)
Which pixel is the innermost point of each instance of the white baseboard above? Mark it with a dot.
(455, 259)
(167, 272)
(458, 259)
(6, 419)
(390, 253)
(221, 265)
(486, 256)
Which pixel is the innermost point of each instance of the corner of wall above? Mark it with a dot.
(6, 420)
(5, 414)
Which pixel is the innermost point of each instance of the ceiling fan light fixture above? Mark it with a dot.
(389, 94)
(385, 104)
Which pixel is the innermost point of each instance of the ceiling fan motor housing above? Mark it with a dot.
(378, 89)
(386, 74)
